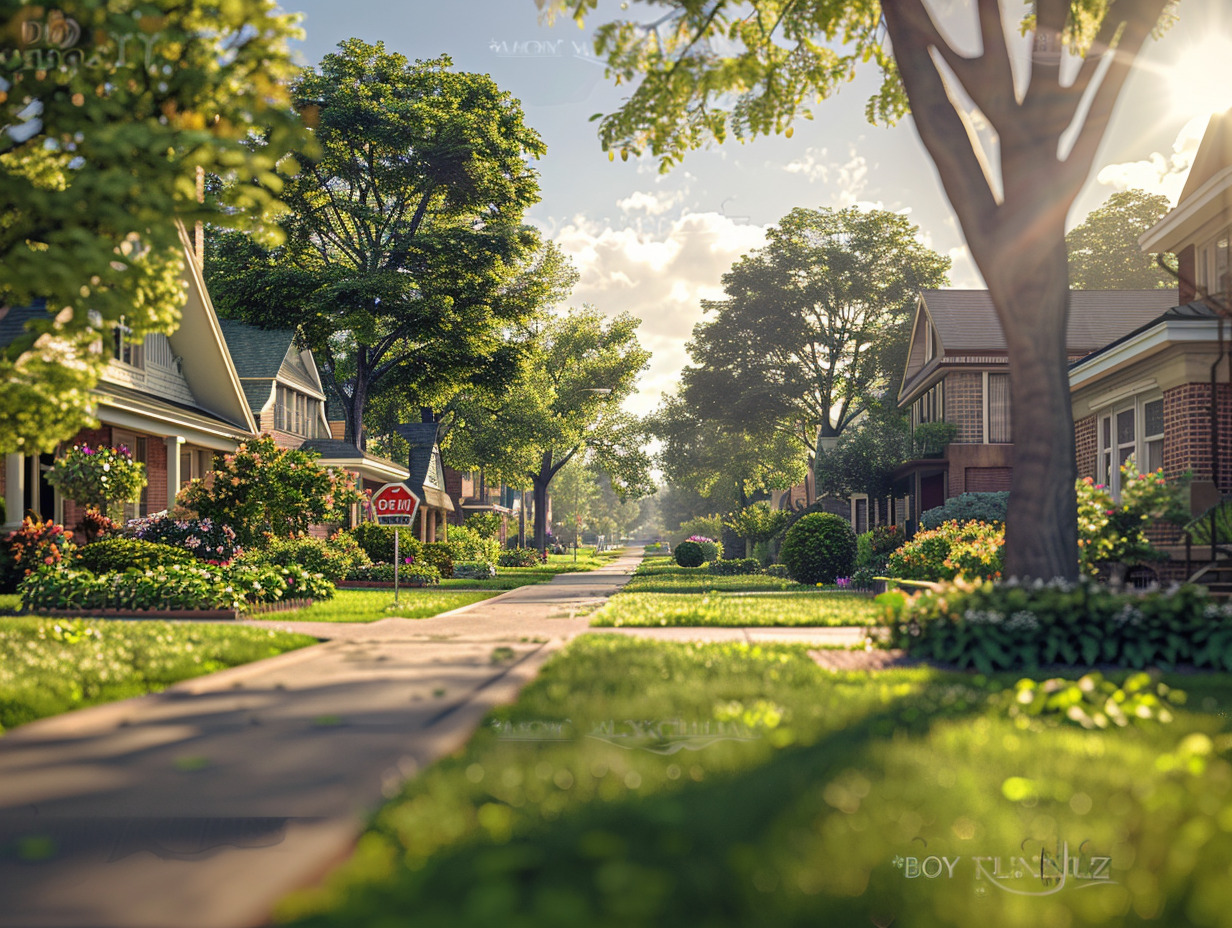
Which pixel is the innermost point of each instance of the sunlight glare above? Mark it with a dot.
(1201, 82)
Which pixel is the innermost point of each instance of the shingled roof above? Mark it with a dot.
(256, 352)
(13, 320)
(424, 479)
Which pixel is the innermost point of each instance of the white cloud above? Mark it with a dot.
(849, 178)
(1159, 173)
(654, 204)
(660, 276)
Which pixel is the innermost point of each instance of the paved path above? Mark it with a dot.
(201, 806)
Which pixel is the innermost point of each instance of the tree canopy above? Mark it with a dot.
(405, 257)
(115, 107)
(814, 325)
(751, 67)
(1104, 253)
(576, 369)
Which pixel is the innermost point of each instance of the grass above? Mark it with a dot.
(9, 602)
(664, 575)
(509, 578)
(733, 785)
(374, 605)
(49, 666)
(657, 609)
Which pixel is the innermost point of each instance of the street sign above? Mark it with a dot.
(395, 504)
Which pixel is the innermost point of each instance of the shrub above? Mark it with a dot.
(739, 565)
(819, 548)
(1112, 533)
(116, 553)
(95, 525)
(438, 555)
(874, 546)
(211, 541)
(332, 558)
(690, 554)
(968, 507)
(32, 546)
(486, 524)
(519, 557)
(776, 570)
(378, 542)
(969, 549)
(466, 544)
(474, 570)
(384, 573)
(1002, 626)
(262, 489)
(707, 526)
(104, 478)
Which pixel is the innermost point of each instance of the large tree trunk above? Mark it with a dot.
(540, 483)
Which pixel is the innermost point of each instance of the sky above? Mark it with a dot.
(657, 245)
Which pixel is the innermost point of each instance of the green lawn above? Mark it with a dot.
(49, 666)
(374, 605)
(664, 575)
(732, 785)
(9, 602)
(509, 578)
(657, 609)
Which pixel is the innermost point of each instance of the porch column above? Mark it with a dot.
(173, 443)
(423, 523)
(14, 491)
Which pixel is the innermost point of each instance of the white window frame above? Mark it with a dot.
(1110, 451)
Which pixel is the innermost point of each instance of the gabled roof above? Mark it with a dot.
(1214, 154)
(337, 453)
(426, 479)
(967, 326)
(256, 352)
(1196, 311)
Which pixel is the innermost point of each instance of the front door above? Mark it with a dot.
(932, 492)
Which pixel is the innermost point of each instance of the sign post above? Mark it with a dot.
(395, 504)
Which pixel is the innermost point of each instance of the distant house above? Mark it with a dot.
(957, 371)
(472, 493)
(427, 480)
(174, 400)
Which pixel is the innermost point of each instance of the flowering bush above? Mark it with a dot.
(519, 557)
(102, 477)
(1001, 626)
(711, 550)
(333, 557)
(1112, 534)
(212, 541)
(95, 524)
(32, 546)
(408, 573)
(953, 549)
(263, 489)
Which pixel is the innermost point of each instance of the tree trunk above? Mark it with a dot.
(1028, 283)
(541, 512)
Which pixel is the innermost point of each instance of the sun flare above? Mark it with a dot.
(1201, 82)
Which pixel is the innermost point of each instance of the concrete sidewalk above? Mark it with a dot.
(201, 806)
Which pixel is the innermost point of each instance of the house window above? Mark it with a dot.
(123, 348)
(296, 412)
(1215, 264)
(859, 514)
(1134, 430)
(999, 431)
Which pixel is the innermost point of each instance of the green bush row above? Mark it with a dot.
(384, 573)
(1013, 625)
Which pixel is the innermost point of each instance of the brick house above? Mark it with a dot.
(957, 371)
(174, 400)
(1148, 394)
(471, 493)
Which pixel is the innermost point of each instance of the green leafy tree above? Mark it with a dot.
(776, 58)
(117, 106)
(865, 455)
(262, 489)
(576, 370)
(757, 522)
(1104, 252)
(405, 257)
(814, 325)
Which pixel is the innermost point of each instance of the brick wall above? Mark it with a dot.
(1086, 443)
(1187, 432)
(964, 404)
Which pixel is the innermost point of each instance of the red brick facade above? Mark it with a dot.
(1086, 445)
(1187, 432)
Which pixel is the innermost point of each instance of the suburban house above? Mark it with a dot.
(957, 371)
(1148, 393)
(174, 400)
(427, 479)
(288, 402)
(471, 493)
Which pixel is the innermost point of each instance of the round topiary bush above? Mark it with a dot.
(819, 548)
(690, 554)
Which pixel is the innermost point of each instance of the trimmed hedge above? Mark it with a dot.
(968, 507)
(437, 554)
(690, 554)
(732, 567)
(384, 573)
(819, 548)
(115, 554)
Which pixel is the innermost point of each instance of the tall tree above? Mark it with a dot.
(715, 459)
(405, 255)
(576, 371)
(814, 325)
(1104, 252)
(108, 112)
(865, 455)
(777, 57)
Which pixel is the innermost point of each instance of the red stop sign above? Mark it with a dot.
(395, 504)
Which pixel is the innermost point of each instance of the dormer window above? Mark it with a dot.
(123, 348)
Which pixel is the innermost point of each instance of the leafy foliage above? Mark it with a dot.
(968, 507)
(757, 522)
(690, 554)
(103, 478)
(819, 548)
(334, 558)
(1000, 626)
(485, 524)
(466, 544)
(117, 105)
(952, 549)
(407, 283)
(117, 553)
(1094, 702)
(1112, 532)
(262, 488)
(437, 554)
(930, 438)
(211, 541)
(417, 572)
(735, 566)
(474, 570)
(649, 610)
(865, 455)
(1103, 251)
(520, 557)
(31, 547)
(378, 542)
